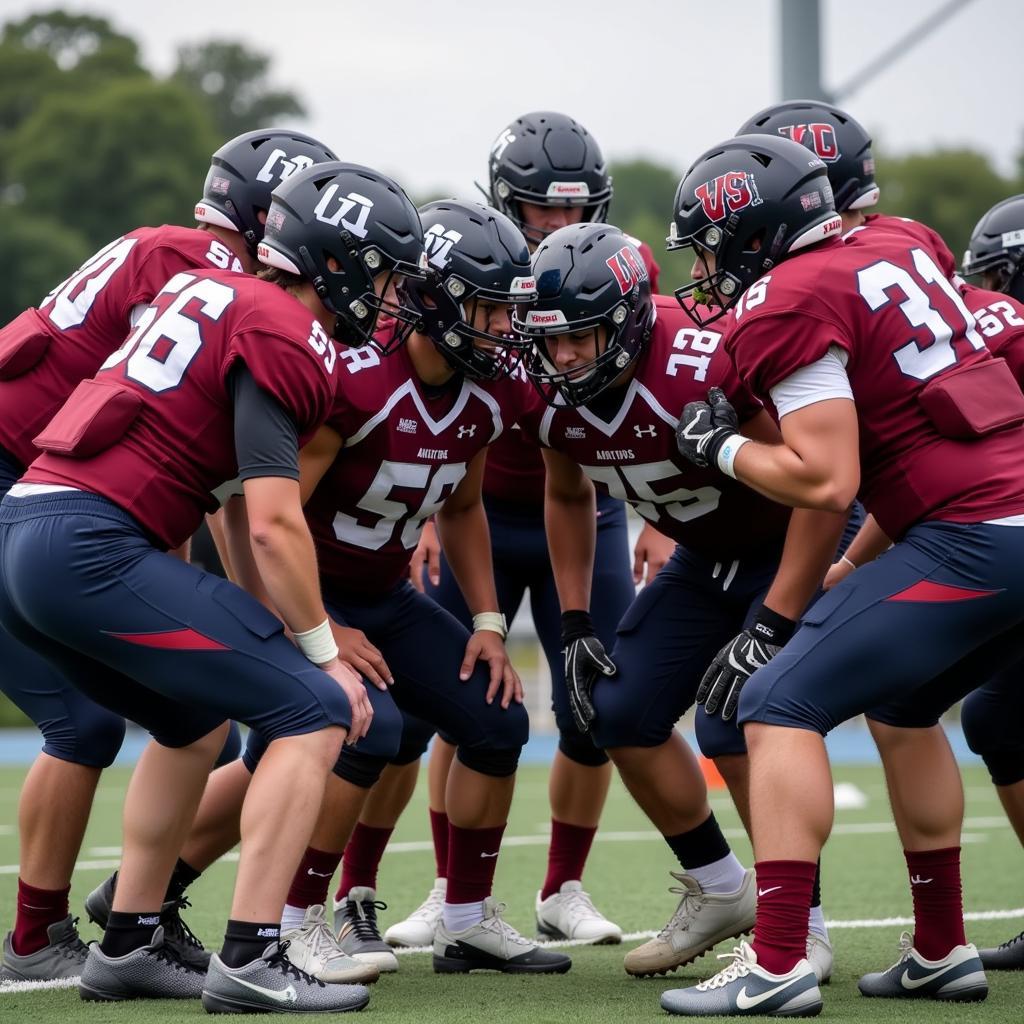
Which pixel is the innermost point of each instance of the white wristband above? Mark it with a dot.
(727, 453)
(492, 621)
(849, 561)
(317, 643)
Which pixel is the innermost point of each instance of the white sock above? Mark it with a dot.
(292, 918)
(721, 876)
(460, 916)
(816, 922)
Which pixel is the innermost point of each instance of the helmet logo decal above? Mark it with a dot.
(819, 138)
(501, 143)
(535, 318)
(438, 242)
(289, 165)
(578, 189)
(627, 267)
(1013, 238)
(728, 193)
(346, 204)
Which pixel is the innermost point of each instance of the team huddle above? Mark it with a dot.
(397, 422)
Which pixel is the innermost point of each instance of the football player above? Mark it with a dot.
(44, 353)
(912, 412)
(545, 171)
(616, 365)
(223, 375)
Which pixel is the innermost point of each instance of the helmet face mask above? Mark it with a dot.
(996, 248)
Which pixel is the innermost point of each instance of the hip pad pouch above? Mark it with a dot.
(975, 400)
(95, 416)
(23, 343)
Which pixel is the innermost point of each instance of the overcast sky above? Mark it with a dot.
(420, 88)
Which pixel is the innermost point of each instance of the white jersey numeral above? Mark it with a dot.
(72, 299)
(634, 484)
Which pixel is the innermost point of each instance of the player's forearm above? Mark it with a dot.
(570, 523)
(779, 473)
(811, 542)
(466, 540)
(869, 543)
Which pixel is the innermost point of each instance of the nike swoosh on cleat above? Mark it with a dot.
(764, 892)
(911, 983)
(745, 1002)
(287, 995)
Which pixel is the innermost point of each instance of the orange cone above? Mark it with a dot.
(712, 776)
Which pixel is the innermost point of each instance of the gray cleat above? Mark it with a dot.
(151, 972)
(743, 989)
(1007, 956)
(355, 922)
(62, 957)
(958, 977)
(177, 935)
(273, 984)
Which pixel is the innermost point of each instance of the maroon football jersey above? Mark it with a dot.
(891, 307)
(515, 467)
(633, 454)
(406, 448)
(916, 232)
(87, 316)
(1001, 322)
(181, 445)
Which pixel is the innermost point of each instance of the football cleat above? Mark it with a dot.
(62, 957)
(355, 922)
(819, 956)
(493, 945)
(177, 935)
(273, 984)
(419, 927)
(958, 977)
(701, 921)
(314, 948)
(743, 989)
(150, 972)
(1007, 956)
(570, 914)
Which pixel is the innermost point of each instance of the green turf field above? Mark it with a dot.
(864, 876)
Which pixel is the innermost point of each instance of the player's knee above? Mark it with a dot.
(497, 762)
(231, 748)
(359, 768)
(626, 723)
(255, 748)
(717, 738)
(580, 748)
(92, 739)
(413, 746)
(980, 720)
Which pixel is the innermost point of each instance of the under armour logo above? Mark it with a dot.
(918, 880)
(649, 431)
(467, 431)
(289, 165)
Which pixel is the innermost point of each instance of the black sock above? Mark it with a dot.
(816, 891)
(702, 845)
(127, 932)
(244, 941)
(181, 878)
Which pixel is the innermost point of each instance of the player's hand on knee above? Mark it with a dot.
(361, 656)
(426, 556)
(489, 646)
(585, 660)
(352, 685)
(740, 658)
(653, 550)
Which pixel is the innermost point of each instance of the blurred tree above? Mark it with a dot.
(233, 79)
(104, 161)
(75, 42)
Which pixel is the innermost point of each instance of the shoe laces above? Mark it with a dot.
(169, 956)
(362, 916)
(277, 961)
(1008, 944)
(690, 903)
(71, 945)
(739, 968)
(175, 927)
(905, 946)
(509, 936)
(431, 908)
(578, 905)
(322, 941)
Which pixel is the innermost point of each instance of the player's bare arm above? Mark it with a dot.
(569, 516)
(870, 542)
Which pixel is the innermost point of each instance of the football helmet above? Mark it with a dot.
(368, 225)
(749, 202)
(548, 159)
(589, 277)
(997, 247)
(837, 139)
(474, 254)
(243, 173)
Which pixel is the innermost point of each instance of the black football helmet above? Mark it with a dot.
(362, 219)
(244, 172)
(997, 247)
(588, 276)
(837, 139)
(550, 160)
(750, 202)
(474, 254)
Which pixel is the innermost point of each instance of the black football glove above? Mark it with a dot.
(704, 428)
(585, 659)
(740, 658)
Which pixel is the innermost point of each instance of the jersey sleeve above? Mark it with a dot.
(653, 270)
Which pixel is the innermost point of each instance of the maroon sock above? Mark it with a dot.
(313, 878)
(938, 901)
(37, 910)
(472, 858)
(439, 830)
(567, 855)
(783, 902)
(362, 857)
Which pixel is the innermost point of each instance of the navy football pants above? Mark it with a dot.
(145, 635)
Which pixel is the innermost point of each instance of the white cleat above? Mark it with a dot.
(570, 914)
(420, 927)
(819, 956)
(313, 948)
